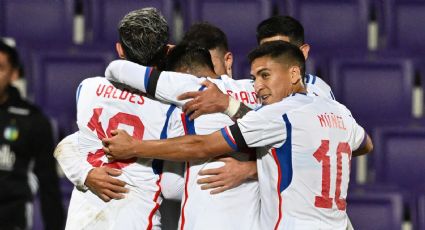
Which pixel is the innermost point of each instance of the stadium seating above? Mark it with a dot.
(55, 77)
(377, 91)
(332, 26)
(400, 157)
(237, 18)
(375, 211)
(37, 21)
(420, 223)
(402, 24)
(102, 17)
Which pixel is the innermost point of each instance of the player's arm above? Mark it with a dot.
(99, 180)
(365, 147)
(168, 86)
(185, 148)
(212, 100)
(231, 175)
(165, 86)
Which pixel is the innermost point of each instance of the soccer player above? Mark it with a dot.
(200, 209)
(304, 144)
(215, 40)
(102, 107)
(286, 28)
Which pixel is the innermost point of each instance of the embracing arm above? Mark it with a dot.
(191, 147)
(365, 147)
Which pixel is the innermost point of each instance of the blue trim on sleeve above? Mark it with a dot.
(314, 80)
(201, 88)
(228, 139)
(332, 95)
(284, 156)
(77, 96)
(147, 73)
(307, 78)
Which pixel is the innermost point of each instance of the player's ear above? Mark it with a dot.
(228, 62)
(295, 74)
(305, 48)
(120, 50)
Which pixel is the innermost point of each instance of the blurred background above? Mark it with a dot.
(371, 52)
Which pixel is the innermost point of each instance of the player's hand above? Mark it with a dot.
(101, 182)
(211, 100)
(231, 175)
(119, 146)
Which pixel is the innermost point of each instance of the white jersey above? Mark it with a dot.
(304, 152)
(101, 107)
(167, 86)
(228, 210)
(318, 87)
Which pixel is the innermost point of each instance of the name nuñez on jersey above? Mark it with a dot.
(331, 121)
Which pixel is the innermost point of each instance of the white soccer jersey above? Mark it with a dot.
(228, 210)
(101, 107)
(318, 87)
(304, 152)
(167, 86)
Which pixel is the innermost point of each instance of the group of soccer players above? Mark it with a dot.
(288, 141)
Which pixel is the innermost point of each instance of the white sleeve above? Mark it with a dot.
(358, 136)
(259, 130)
(72, 163)
(317, 86)
(128, 73)
(172, 180)
(169, 85)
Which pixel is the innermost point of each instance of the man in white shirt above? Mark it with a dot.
(304, 145)
(102, 107)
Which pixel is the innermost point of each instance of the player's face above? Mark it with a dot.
(275, 38)
(6, 72)
(272, 80)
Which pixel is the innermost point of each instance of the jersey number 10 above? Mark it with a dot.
(325, 201)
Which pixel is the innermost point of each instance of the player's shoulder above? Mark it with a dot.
(94, 80)
(292, 102)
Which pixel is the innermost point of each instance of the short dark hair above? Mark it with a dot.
(282, 51)
(144, 35)
(11, 53)
(281, 25)
(206, 35)
(189, 56)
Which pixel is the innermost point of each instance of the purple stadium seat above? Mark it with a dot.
(375, 211)
(333, 25)
(377, 91)
(421, 213)
(237, 18)
(400, 157)
(55, 77)
(102, 17)
(402, 22)
(37, 21)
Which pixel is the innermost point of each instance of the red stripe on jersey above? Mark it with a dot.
(186, 195)
(278, 188)
(183, 117)
(230, 136)
(155, 199)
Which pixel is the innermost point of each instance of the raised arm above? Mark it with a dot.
(165, 86)
(185, 148)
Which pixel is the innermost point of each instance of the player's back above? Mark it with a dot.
(228, 210)
(101, 108)
(304, 180)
